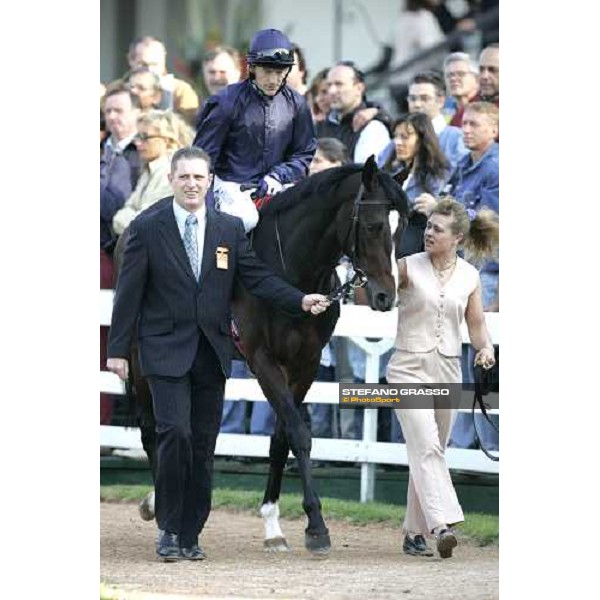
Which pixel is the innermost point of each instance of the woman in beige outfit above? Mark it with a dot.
(438, 290)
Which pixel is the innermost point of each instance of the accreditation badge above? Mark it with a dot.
(222, 255)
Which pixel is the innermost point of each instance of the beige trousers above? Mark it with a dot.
(431, 499)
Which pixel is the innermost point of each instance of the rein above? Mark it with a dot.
(279, 243)
(481, 389)
(359, 280)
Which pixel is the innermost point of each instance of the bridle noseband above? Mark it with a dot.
(353, 230)
(360, 277)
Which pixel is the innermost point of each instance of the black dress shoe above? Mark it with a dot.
(193, 553)
(416, 546)
(446, 541)
(167, 546)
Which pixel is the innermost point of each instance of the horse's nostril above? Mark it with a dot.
(382, 300)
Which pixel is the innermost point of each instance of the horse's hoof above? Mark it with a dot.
(318, 544)
(277, 544)
(146, 507)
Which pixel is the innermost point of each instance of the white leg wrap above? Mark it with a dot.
(270, 515)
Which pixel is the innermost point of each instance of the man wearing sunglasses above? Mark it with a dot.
(258, 132)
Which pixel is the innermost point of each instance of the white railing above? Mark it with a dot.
(356, 323)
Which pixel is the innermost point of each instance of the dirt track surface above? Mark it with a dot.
(365, 562)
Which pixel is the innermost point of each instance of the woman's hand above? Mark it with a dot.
(424, 203)
(485, 357)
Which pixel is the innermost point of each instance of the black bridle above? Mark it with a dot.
(359, 278)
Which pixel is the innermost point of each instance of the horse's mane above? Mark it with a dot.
(325, 182)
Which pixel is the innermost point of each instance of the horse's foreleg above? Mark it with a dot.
(278, 453)
(316, 535)
(275, 387)
(290, 425)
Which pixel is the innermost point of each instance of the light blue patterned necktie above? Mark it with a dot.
(190, 241)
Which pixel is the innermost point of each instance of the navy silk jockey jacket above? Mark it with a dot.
(248, 135)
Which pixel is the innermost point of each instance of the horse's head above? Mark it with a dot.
(369, 240)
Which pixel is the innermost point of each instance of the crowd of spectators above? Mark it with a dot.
(447, 144)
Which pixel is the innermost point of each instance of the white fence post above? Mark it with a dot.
(374, 351)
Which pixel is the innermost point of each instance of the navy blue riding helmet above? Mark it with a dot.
(270, 47)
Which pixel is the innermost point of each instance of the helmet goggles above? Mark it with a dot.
(281, 57)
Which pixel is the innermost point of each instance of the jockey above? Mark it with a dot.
(258, 132)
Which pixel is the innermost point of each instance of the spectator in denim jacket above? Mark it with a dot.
(475, 183)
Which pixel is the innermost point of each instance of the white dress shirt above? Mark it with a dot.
(372, 140)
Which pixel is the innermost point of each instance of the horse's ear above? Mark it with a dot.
(401, 176)
(369, 174)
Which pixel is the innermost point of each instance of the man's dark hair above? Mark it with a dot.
(121, 89)
(359, 76)
(432, 77)
(189, 153)
(212, 54)
(143, 71)
(333, 150)
(299, 53)
(143, 39)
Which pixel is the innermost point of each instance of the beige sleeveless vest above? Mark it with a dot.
(430, 314)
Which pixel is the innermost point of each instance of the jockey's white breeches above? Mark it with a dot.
(231, 200)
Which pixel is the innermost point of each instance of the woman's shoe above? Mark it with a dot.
(416, 546)
(446, 541)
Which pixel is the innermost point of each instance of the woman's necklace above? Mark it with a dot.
(441, 273)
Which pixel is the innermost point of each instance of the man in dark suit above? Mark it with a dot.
(175, 285)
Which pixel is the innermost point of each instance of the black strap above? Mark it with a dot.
(279, 242)
(359, 279)
(478, 400)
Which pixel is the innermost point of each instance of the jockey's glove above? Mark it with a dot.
(267, 186)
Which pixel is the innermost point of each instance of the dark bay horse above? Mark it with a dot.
(302, 234)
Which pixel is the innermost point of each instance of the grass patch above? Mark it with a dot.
(481, 528)
(110, 593)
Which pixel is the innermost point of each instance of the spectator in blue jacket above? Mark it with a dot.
(119, 160)
(427, 95)
(475, 183)
(119, 172)
(257, 132)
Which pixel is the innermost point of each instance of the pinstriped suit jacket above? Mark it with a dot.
(158, 294)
